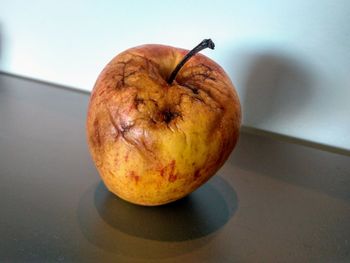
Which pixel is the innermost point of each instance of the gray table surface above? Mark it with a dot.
(273, 201)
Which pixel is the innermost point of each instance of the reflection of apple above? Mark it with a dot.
(161, 122)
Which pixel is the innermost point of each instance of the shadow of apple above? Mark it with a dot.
(194, 216)
(1, 45)
(130, 230)
(277, 86)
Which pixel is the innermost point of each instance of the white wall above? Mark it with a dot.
(290, 60)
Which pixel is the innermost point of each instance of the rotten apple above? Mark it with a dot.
(161, 121)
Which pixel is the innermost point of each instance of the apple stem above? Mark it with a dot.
(206, 43)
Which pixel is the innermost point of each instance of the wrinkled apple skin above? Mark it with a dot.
(152, 142)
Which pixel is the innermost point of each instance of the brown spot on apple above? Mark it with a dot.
(125, 127)
(191, 87)
(126, 157)
(96, 134)
(138, 100)
(197, 174)
(134, 176)
(172, 178)
(172, 175)
(162, 171)
(169, 171)
(169, 115)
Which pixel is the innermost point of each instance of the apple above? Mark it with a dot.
(161, 121)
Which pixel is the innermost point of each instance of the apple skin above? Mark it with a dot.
(154, 142)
